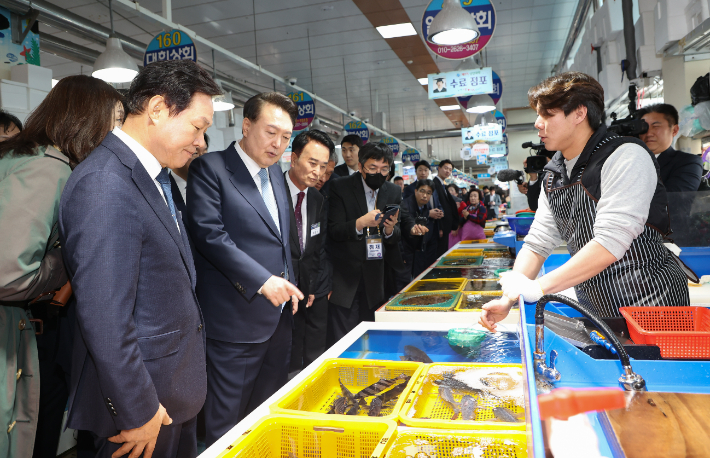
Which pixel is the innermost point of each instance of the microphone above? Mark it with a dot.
(511, 175)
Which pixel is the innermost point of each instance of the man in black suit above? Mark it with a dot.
(350, 149)
(354, 220)
(311, 151)
(422, 169)
(238, 215)
(445, 202)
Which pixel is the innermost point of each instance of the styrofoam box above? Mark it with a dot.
(670, 23)
(647, 6)
(648, 60)
(13, 95)
(695, 13)
(36, 97)
(610, 79)
(644, 29)
(33, 76)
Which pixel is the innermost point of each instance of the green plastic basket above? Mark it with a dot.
(396, 303)
(460, 261)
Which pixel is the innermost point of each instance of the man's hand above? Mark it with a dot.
(441, 233)
(515, 284)
(418, 229)
(294, 305)
(277, 290)
(523, 188)
(436, 213)
(455, 232)
(390, 223)
(369, 219)
(142, 439)
(311, 298)
(495, 311)
(330, 294)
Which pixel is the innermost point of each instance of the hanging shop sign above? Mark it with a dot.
(498, 150)
(392, 143)
(484, 175)
(487, 133)
(23, 53)
(458, 84)
(172, 45)
(411, 155)
(479, 149)
(482, 159)
(466, 154)
(482, 11)
(358, 128)
(306, 110)
(500, 119)
(497, 91)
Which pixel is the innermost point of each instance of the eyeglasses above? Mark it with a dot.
(424, 192)
(373, 169)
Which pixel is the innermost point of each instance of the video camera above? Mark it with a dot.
(632, 125)
(537, 162)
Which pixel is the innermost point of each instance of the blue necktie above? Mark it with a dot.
(268, 197)
(164, 179)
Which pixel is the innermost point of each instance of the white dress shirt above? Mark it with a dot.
(253, 168)
(304, 213)
(351, 171)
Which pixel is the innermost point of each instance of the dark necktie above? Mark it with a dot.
(164, 179)
(299, 220)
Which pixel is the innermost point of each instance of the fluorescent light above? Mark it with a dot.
(397, 30)
(423, 81)
(338, 146)
(449, 107)
(497, 155)
(454, 37)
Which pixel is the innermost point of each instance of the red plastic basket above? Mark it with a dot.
(680, 332)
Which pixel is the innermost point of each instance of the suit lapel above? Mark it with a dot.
(279, 186)
(312, 212)
(382, 198)
(292, 218)
(359, 191)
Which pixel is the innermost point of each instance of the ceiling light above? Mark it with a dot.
(114, 65)
(449, 107)
(397, 30)
(480, 103)
(423, 81)
(222, 102)
(497, 155)
(453, 25)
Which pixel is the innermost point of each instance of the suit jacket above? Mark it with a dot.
(305, 265)
(409, 190)
(342, 170)
(450, 221)
(347, 204)
(324, 283)
(139, 338)
(414, 243)
(680, 172)
(238, 246)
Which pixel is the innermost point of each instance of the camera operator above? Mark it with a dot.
(680, 172)
(532, 188)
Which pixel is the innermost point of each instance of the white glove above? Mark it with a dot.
(516, 284)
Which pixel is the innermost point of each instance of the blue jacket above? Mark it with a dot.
(140, 337)
(237, 244)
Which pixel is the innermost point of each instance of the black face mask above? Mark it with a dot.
(375, 180)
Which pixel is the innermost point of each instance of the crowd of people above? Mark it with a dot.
(147, 282)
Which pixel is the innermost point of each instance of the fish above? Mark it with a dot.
(392, 394)
(375, 407)
(448, 398)
(468, 407)
(503, 414)
(354, 408)
(412, 353)
(338, 406)
(346, 393)
(455, 384)
(378, 387)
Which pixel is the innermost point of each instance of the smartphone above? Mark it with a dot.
(389, 210)
(421, 220)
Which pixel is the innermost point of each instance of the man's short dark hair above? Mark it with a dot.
(253, 106)
(567, 92)
(668, 111)
(485, 187)
(451, 185)
(6, 119)
(176, 80)
(444, 162)
(426, 182)
(376, 151)
(312, 135)
(397, 178)
(422, 162)
(352, 139)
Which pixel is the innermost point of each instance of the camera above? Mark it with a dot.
(632, 125)
(537, 162)
(292, 80)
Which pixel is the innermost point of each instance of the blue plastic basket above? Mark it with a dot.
(521, 225)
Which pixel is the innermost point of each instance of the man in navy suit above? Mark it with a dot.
(238, 217)
(138, 372)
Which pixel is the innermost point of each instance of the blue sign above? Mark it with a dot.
(411, 155)
(306, 110)
(172, 45)
(490, 133)
(500, 119)
(484, 175)
(463, 83)
(393, 144)
(497, 88)
(358, 128)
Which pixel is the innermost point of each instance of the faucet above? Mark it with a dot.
(629, 380)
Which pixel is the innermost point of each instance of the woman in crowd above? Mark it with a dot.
(419, 251)
(473, 219)
(34, 166)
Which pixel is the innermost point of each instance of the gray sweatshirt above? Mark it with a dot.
(628, 182)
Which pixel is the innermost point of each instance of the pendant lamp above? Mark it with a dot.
(453, 25)
(481, 103)
(114, 65)
(223, 102)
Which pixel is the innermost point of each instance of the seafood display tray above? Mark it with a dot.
(466, 252)
(424, 407)
(315, 395)
(476, 285)
(420, 286)
(474, 273)
(481, 297)
(448, 442)
(460, 261)
(396, 303)
(277, 436)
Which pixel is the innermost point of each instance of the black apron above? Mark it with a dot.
(648, 274)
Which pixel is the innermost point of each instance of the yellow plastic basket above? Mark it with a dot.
(315, 395)
(473, 242)
(488, 232)
(456, 443)
(395, 304)
(444, 284)
(425, 409)
(278, 436)
(485, 296)
(497, 253)
(466, 252)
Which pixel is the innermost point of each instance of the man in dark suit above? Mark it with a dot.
(311, 151)
(138, 371)
(350, 149)
(238, 214)
(445, 202)
(354, 218)
(422, 169)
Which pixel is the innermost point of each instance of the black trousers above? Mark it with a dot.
(342, 320)
(240, 377)
(443, 244)
(309, 332)
(174, 441)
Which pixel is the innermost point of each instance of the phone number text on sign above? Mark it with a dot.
(306, 110)
(482, 11)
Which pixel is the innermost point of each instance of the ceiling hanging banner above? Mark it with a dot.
(482, 11)
(172, 45)
(497, 91)
(500, 119)
(306, 110)
(457, 84)
(488, 133)
(393, 144)
(410, 154)
(359, 129)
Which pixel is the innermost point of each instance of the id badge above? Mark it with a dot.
(374, 247)
(315, 229)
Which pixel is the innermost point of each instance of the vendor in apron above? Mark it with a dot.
(601, 194)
